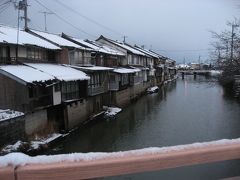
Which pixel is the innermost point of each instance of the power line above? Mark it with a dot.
(186, 50)
(5, 3)
(3, 8)
(64, 20)
(87, 18)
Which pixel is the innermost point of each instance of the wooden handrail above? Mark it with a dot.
(127, 164)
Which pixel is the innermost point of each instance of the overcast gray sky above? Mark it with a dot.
(174, 28)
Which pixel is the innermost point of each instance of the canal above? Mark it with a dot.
(183, 112)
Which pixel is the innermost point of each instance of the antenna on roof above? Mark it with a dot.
(45, 13)
(124, 38)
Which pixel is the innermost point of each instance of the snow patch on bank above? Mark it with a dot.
(13, 147)
(170, 80)
(20, 159)
(8, 114)
(32, 145)
(43, 141)
(153, 89)
(215, 73)
(111, 111)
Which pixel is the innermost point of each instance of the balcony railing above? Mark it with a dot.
(114, 86)
(5, 60)
(136, 80)
(92, 91)
(42, 101)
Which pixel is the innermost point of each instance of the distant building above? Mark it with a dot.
(195, 66)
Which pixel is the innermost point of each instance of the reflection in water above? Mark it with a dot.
(187, 111)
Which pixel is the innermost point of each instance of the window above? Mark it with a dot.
(57, 87)
(70, 90)
(36, 53)
(124, 79)
(129, 59)
(32, 92)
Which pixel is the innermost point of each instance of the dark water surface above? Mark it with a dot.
(183, 112)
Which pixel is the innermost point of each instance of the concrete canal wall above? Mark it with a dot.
(77, 113)
(36, 121)
(124, 97)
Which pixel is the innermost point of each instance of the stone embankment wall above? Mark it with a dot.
(12, 130)
(237, 86)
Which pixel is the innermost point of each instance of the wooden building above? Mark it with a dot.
(71, 53)
(27, 48)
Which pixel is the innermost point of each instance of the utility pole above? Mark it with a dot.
(199, 61)
(25, 14)
(22, 5)
(45, 13)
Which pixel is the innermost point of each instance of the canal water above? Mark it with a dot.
(183, 112)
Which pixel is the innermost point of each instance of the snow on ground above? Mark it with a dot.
(170, 80)
(33, 145)
(153, 89)
(111, 111)
(20, 159)
(8, 114)
(12, 148)
(126, 70)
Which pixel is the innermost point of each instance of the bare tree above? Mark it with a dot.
(227, 51)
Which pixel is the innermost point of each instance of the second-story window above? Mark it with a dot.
(36, 53)
(70, 90)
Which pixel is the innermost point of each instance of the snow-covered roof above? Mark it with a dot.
(124, 46)
(99, 47)
(160, 65)
(160, 56)
(9, 35)
(60, 72)
(126, 70)
(146, 51)
(107, 49)
(93, 68)
(170, 61)
(25, 74)
(128, 48)
(183, 66)
(8, 114)
(57, 39)
(171, 68)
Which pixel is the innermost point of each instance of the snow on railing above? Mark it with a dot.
(93, 165)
